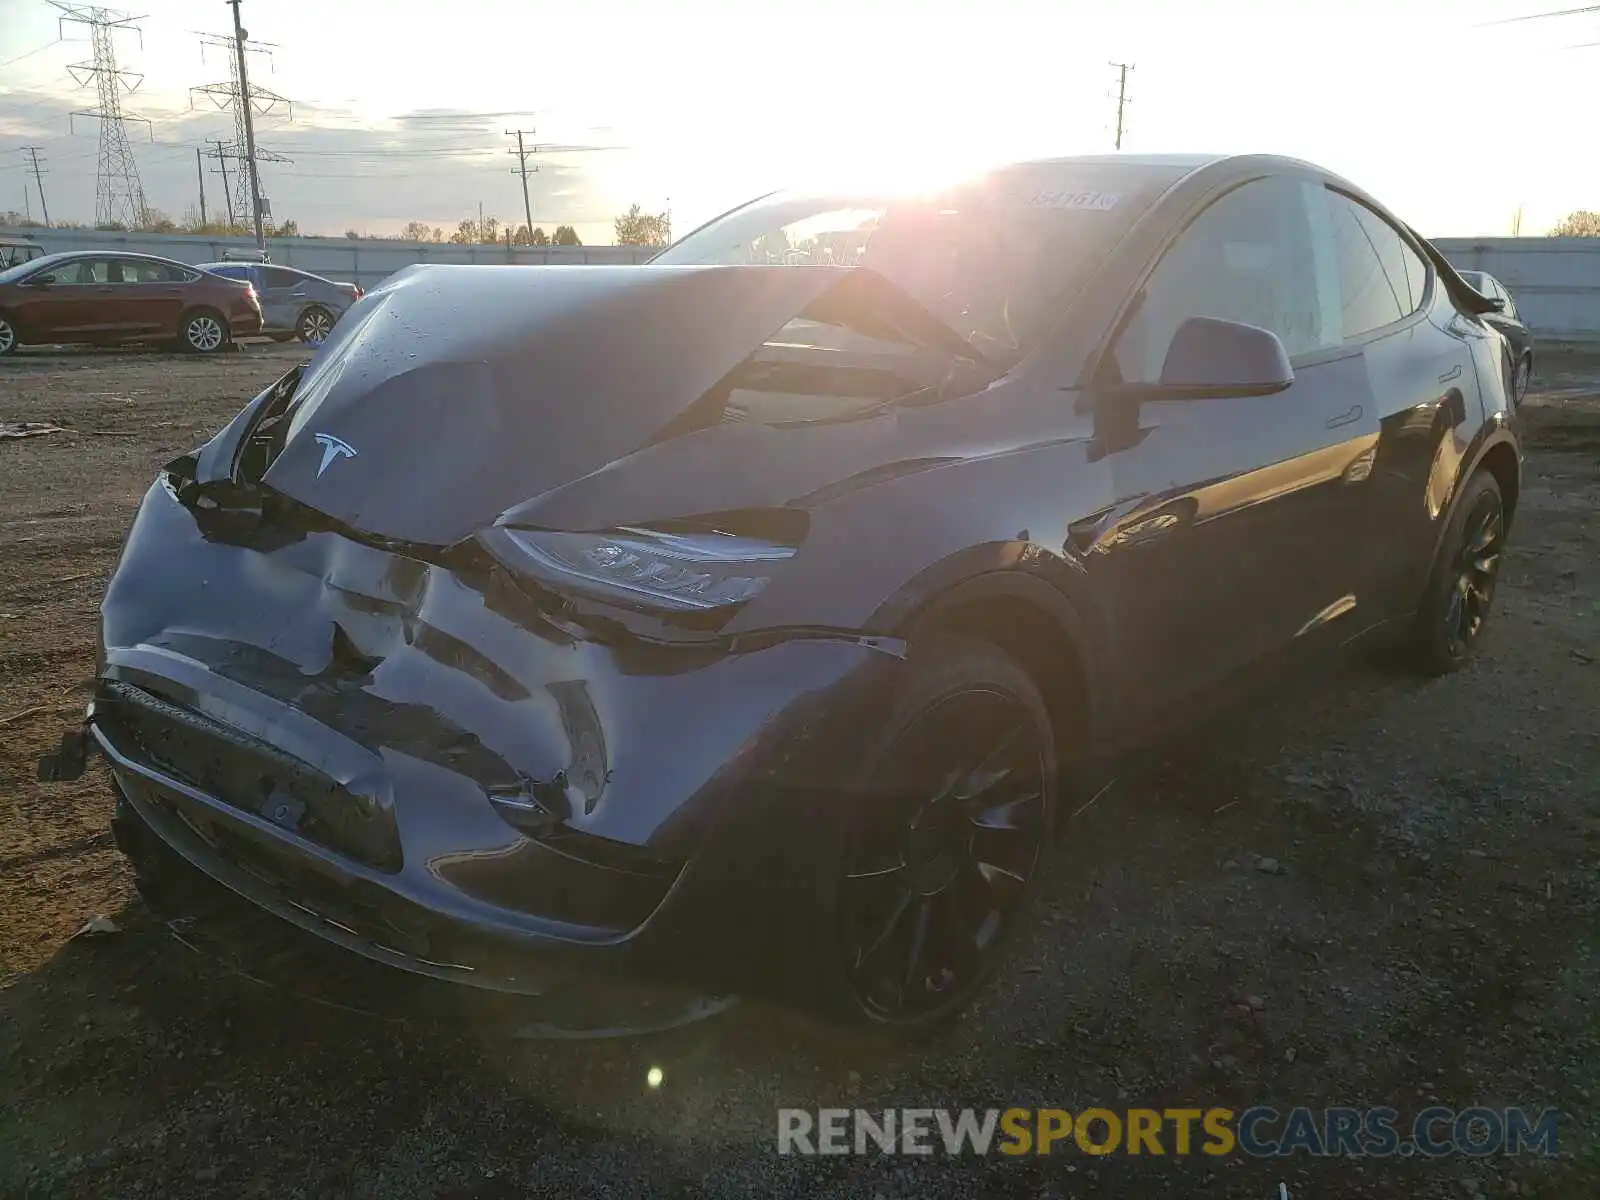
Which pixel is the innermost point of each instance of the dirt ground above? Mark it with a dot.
(1431, 935)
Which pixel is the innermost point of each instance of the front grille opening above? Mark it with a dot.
(250, 775)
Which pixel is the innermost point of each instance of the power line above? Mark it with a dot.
(1565, 12)
(30, 53)
(1122, 96)
(38, 179)
(119, 195)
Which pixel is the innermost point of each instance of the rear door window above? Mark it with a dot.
(101, 271)
(277, 277)
(146, 272)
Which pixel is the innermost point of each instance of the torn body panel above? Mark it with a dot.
(551, 787)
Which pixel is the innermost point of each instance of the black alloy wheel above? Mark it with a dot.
(947, 837)
(1456, 608)
(1477, 567)
(1520, 379)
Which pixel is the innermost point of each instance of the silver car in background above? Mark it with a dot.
(293, 303)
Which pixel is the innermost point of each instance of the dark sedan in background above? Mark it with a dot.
(293, 303)
(102, 298)
(734, 620)
(1507, 320)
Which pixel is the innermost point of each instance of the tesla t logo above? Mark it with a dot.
(332, 449)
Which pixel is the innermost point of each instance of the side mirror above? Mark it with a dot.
(1497, 304)
(42, 281)
(1210, 358)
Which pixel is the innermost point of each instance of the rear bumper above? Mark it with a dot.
(357, 742)
(245, 324)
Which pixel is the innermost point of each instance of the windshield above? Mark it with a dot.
(991, 258)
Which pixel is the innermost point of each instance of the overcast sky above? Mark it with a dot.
(400, 108)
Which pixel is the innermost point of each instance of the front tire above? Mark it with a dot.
(203, 332)
(9, 340)
(1455, 606)
(1521, 378)
(941, 842)
(315, 325)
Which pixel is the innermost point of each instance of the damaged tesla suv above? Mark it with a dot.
(739, 622)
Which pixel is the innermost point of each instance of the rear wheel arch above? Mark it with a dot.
(1497, 457)
(1500, 460)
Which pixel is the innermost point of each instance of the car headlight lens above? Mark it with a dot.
(650, 568)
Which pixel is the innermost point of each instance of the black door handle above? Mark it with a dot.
(1344, 418)
(1453, 373)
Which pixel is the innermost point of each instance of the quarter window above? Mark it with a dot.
(1248, 258)
(1381, 279)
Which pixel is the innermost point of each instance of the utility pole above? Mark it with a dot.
(200, 178)
(521, 168)
(246, 100)
(1122, 70)
(249, 128)
(118, 193)
(220, 153)
(38, 178)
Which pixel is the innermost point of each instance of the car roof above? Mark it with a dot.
(1178, 164)
(69, 255)
(236, 264)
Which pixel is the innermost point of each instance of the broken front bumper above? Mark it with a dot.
(406, 764)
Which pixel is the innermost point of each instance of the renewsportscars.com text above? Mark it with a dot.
(1259, 1132)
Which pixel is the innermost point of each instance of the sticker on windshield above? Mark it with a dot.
(1091, 201)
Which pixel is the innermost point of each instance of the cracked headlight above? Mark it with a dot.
(692, 571)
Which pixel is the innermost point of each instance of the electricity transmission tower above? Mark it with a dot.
(118, 194)
(247, 101)
(38, 178)
(1122, 70)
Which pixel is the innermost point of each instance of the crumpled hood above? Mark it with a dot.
(452, 393)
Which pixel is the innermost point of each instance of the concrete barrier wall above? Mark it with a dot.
(357, 260)
(1555, 281)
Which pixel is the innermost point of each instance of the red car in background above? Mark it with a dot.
(105, 298)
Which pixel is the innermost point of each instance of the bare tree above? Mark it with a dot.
(1582, 223)
(639, 228)
(421, 231)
